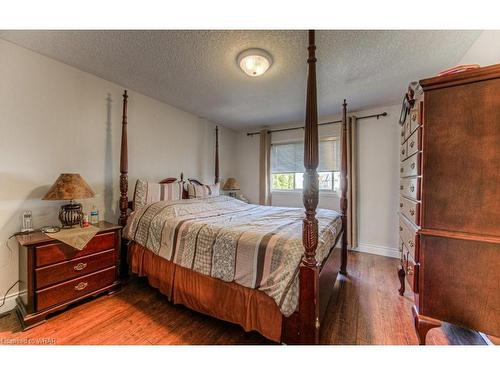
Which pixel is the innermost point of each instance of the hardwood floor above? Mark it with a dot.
(365, 309)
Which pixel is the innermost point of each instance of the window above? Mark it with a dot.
(287, 166)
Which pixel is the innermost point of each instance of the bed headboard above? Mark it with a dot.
(125, 204)
(169, 180)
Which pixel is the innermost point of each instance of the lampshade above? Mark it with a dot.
(231, 184)
(69, 186)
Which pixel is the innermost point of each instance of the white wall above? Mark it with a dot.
(378, 182)
(55, 118)
(485, 50)
(378, 174)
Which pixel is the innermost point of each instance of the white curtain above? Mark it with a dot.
(352, 182)
(265, 168)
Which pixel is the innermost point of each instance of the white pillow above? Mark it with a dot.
(203, 191)
(149, 192)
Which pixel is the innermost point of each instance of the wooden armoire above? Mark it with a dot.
(450, 200)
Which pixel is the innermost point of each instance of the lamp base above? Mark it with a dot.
(71, 214)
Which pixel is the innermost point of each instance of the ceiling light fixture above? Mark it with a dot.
(254, 62)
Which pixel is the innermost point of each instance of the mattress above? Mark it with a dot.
(258, 247)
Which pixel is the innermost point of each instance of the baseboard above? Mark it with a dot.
(378, 250)
(10, 302)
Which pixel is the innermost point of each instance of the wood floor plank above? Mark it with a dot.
(365, 308)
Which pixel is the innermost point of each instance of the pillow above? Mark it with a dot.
(149, 192)
(202, 191)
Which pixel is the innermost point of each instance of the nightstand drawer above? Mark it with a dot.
(60, 252)
(80, 266)
(76, 288)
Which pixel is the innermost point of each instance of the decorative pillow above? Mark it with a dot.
(202, 191)
(149, 192)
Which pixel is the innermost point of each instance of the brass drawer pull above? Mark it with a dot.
(400, 228)
(410, 242)
(401, 170)
(409, 270)
(412, 143)
(414, 117)
(403, 151)
(80, 266)
(412, 166)
(401, 187)
(412, 188)
(412, 212)
(81, 285)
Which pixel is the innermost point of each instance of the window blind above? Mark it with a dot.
(289, 157)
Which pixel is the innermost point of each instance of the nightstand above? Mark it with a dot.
(54, 275)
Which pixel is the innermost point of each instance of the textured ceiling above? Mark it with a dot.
(197, 70)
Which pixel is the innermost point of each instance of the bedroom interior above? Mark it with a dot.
(250, 187)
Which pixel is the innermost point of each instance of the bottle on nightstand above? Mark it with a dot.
(27, 222)
(94, 215)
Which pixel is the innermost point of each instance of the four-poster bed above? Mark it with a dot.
(253, 309)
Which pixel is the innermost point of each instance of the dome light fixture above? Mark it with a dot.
(254, 62)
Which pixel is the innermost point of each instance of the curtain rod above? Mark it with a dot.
(377, 115)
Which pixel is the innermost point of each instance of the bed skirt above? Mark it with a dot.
(251, 309)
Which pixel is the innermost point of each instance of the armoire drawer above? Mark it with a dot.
(410, 187)
(411, 166)
(408, 234)
(417, 116)
(410, 209)
(414, 143)
(411, 270)
(404, 151)
(407, 128)
(402, 134)
(414, 119)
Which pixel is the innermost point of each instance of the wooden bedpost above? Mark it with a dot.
(216, 154)
(124, 188)
(309, 272)
(124, 166)
(343, 190)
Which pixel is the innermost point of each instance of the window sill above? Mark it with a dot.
(322, 193)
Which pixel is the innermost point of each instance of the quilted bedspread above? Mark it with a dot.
(259, 247)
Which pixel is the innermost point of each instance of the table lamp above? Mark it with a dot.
(69, 186)
(231, 185)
